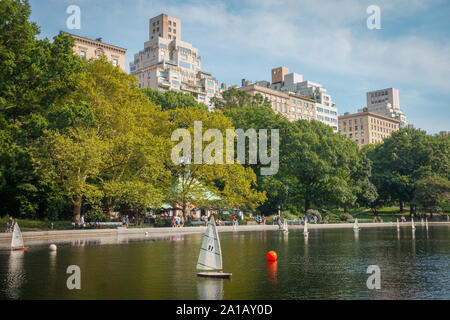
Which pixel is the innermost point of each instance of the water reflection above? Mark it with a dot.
(272, 271)
(15, 275)
(210, 289)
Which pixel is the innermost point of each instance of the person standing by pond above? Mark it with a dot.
(10, 224)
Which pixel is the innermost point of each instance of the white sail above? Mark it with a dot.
(398, 225)
(210, 257)
(412, 224)
(356, 225)
(17, 240)
(305, 229)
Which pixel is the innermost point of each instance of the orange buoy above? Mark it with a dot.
(272, 256)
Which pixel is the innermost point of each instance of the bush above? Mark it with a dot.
(311, 213)
(95, 215)
(345, 216)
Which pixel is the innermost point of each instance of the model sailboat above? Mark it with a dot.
(285, 226)
(210, 258)
(305, 229)
(356, 225)
(412, 224)
(17, 239)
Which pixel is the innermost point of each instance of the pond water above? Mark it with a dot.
(330, 264)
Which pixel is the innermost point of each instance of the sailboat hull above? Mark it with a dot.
(219, 275)
(20, 249)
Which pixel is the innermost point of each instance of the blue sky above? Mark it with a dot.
(326, 41)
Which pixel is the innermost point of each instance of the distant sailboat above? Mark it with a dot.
(17, 239)
(285, 226)
(426, 223)
(305, 229)
(398, 225)
(210, 257)
(421, 222)
(356, 225)
(412, 224)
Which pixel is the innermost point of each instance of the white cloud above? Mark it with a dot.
(328, 35)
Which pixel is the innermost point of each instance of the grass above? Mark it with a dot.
(36, 225)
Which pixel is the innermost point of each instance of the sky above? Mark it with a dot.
(326, 41)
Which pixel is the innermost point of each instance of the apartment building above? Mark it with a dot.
(91, 49)
(386, 102)
(367, 127)
(168, 63)
(291, 105)
(294, 88)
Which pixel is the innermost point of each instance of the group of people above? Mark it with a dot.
(376, 219)
(10, 224)
(261, 220)
(177, 221)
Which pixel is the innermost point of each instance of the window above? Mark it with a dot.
(175, 82)
(115, 62)
(170, 37)
(185, 65)
(174, 24)
(170, 23)
(83, 54)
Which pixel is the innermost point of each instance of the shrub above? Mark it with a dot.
(311, 213)
(95, 215)
(345, 216)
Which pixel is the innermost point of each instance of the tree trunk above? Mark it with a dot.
(185, 211)
(77, 209)
(345, 208)
(307, 205)
(412, 210)
(402, 206)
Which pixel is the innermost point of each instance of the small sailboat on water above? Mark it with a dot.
(398, 225)
(17, 239)
(305, 229)
(412, 224)
(210, 257)
(285, 226)
(356, 225)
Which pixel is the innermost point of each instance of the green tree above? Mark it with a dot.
(171, 99)
(321, 163)
(34, 75)
(431, 192)
(209, 185)
(236, 98)
(404, 158)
